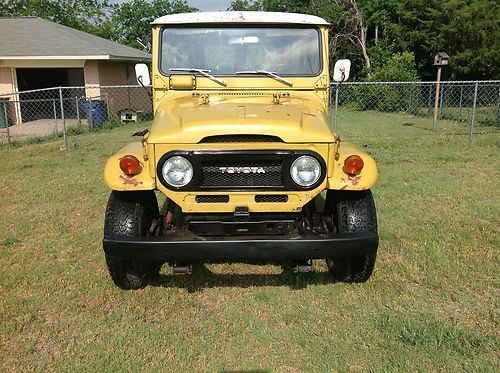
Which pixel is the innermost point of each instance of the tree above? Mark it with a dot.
(84, 15)
(467, 30)
(291, 6)
(242, 5)
(380, 15)
(132, 20)
(354, 29)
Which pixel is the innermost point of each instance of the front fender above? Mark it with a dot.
(340, 180)
(114, 177)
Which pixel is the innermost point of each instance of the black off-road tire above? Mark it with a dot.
(352, 212)
(130, 214)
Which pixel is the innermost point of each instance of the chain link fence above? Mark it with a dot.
(55, 112)
(457, 107)
(374, 108)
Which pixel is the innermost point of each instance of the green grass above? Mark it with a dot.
(368, 124)
(486, 115)
(431, 305)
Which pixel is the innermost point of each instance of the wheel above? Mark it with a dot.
(352, 211)
(130, 214)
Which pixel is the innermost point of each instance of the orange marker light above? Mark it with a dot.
(353, 164)
(130, 165)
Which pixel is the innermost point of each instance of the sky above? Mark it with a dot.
(203, 5)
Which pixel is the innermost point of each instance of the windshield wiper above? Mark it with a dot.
(265, 72)
(203, 72)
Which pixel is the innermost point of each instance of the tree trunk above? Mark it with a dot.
(363, 47)
(353, 30)
(361, 30)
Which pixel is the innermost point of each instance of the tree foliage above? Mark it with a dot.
(400, 67)
(469, 31)
(85, 15)
(132, 20)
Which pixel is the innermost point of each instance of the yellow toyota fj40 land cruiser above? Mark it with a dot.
(242, 148)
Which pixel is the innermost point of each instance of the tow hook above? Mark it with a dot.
(302, 266)
(182, 269)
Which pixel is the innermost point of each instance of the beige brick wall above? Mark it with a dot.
(121, 73)
(115, 73)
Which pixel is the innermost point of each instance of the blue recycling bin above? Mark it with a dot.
(98, 114)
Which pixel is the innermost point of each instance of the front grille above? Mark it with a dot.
(240, 170)
(271, 198)
(241, 174)
(212, 198)
(240, 138)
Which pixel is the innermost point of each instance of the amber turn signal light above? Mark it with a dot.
(130, 165)
(353, 164)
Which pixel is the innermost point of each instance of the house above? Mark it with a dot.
(36, 53)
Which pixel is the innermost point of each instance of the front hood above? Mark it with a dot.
(188, 120)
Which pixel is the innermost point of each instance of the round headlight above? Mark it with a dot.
(305, 171)
(177, 171)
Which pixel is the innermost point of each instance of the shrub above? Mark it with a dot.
(401, 67)
(390, 98)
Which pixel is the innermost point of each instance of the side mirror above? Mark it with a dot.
(142, 74)
(341, 70)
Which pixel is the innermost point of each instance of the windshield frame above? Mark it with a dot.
(242, 25)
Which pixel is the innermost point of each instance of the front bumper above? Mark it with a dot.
(227, 249)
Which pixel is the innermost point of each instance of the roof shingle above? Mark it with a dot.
(38, 37)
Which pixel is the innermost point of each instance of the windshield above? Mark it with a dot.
(227, 50)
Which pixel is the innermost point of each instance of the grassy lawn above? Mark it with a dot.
(431, 305)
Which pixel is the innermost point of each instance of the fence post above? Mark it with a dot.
(62, 117)
(473, 116)
(441, 102)
(6, 120)
(336, 106)
(429, 100)
(106, 97)
(78, 113)
(56, 130)
(409, 99)
(460, 103)
(90, 116)
(498, 107)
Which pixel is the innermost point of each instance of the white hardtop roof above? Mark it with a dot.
(240, 17)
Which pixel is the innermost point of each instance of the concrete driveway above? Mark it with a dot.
(36, 129)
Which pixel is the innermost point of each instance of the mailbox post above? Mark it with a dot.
(440, 60)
